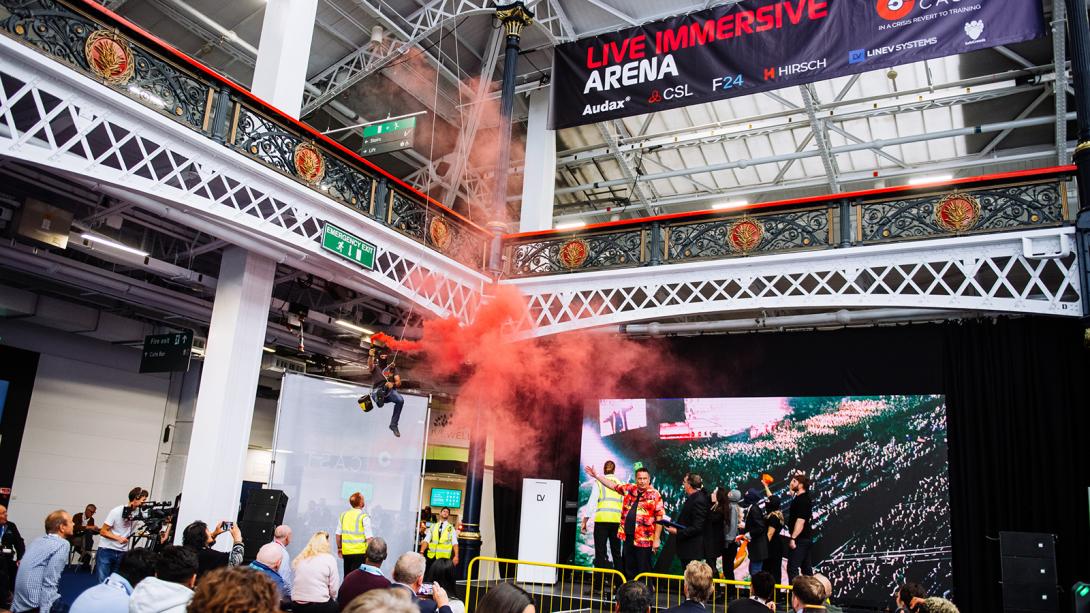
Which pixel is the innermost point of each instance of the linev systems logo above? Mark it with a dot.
(856, 56)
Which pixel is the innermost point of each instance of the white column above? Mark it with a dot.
(225, 403)
(283, 53)
(539, 175)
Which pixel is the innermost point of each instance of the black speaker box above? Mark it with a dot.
(254, 535)
(1023, 597)
(1027, 545)
(1029, 571)
(265, 506)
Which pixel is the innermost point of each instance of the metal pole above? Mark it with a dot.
(515, 17)
(1078, 32)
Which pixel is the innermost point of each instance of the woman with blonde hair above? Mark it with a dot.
(316, 581)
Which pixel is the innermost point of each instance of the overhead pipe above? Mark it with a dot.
(843, 317)
(798, 155)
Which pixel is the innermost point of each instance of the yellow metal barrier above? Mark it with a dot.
(669, 591)
(575, 588)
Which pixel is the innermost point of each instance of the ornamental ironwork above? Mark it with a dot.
(586, 252)
(309, 163)
(1000, 207)
(764, 233)
(439, 233)
(573, 253)
(109, 57)
(452, 237)
(744, 235)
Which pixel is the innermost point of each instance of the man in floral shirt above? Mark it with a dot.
(641, 508)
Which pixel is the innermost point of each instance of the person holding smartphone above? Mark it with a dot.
(199, 539)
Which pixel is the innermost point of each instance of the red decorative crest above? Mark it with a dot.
(957, 212)
(309, 163)
(744, 235)
(439, 232)
(573, 253)
(109, 56)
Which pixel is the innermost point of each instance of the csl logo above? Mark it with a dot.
(893, 10)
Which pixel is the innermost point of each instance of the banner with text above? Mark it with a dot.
(757, 45)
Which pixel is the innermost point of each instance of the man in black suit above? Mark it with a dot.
(762, 590)
(409, 576)
(694, 511)
(698, 589)
(12, 547)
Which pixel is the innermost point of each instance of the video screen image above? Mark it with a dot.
(878, 465)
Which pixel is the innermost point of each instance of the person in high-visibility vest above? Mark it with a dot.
(353, 532)
(441, 540)
(607, 518)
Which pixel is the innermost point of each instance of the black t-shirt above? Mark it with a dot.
(376, 371)
(802, 507)
(630, 519)
(775, 545)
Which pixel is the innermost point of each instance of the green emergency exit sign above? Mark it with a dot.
(348, 246)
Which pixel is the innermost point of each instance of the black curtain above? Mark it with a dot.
(1019, 450)
(18, 368)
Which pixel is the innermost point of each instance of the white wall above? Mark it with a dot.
(93, 428)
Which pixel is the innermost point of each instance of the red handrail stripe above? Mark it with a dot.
(869, 193)
(238, 89)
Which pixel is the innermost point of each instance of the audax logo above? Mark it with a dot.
(857, 55)
(540, 497)
(609, 105)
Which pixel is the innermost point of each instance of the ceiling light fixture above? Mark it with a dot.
(269, 349)
(105, 242)
(732, 204)
(570, 225)
(930, 179)
(351, 326)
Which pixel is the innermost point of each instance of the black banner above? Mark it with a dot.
(761, 45)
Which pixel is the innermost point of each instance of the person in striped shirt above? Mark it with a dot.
(40, 569)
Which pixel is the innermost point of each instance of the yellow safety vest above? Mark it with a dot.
(353, 538)
(609, 503)
(441, 544)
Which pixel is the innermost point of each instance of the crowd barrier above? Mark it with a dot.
(566, 588)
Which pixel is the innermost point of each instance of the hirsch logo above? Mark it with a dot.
(794, 69)
(893, 10)
(609, 105)
(973, 29)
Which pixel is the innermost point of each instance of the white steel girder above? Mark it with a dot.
(1033, 271)
(201, 182)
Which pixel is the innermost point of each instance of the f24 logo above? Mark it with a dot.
(893, 10)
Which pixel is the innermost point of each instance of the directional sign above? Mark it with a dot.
(348, 246)
(377, 129)
(385, 147)
(167, 352)
(389, 136)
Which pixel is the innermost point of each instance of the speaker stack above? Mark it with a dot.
(1028, 562)
(264, 511)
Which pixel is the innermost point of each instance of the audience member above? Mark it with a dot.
(353, 532)
(115, 532)
(171, 589)
(698, 588)
(807, 594)
(83, 533)
(269, 559)
(906, 593)
(409, 576)
(367, 577)
(634, 597)
(934, 605)
(199, 540)
(443, 572)
(382, 601)
(282, 537)
(12, 547)
(40, 570)
(827, 586)
(112, 596)
(235, 590)
(762, 592)
(506, 598)
(317, 577)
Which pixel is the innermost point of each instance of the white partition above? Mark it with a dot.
(539, 529)
(326, 448)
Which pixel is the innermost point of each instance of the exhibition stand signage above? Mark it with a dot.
(755, 45)
(539, 529)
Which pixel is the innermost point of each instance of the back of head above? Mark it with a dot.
(195, 536)
(382, 601)
(270, 555)
(316, 546)
(826, 584)
(698, 581)
(505, 598)
(938, 605)
(235, 589)
(442, 572)
(137, 565)
(376, 551)
(763, 585)
(808, 590)
(634, 597)
(176, 564)
(409, 568)
(910, 590)
(55, 521)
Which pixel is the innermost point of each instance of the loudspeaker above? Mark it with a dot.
(1021, 597)
(265, 506)
(1027, 545)
(1029, 571)
(254, 535)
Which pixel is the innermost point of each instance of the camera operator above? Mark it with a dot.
(12, 548)
(116, 530)
(197, 538)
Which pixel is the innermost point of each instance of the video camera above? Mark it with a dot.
(153, 514)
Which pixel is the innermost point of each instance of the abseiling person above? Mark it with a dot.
(641, 508)
(607, 519)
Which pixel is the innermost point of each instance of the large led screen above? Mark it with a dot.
(878, 466)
